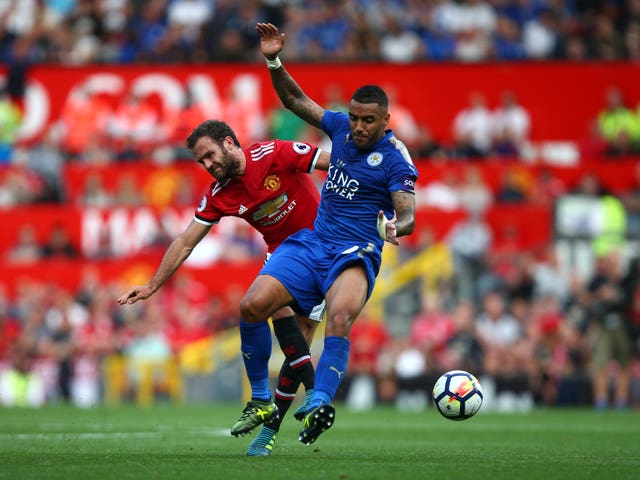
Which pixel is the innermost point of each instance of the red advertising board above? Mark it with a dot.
(562, 98)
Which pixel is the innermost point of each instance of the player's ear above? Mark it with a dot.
(229, 144)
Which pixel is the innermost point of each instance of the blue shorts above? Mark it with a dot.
(307, 266)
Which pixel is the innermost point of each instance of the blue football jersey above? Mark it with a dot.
(359, 184)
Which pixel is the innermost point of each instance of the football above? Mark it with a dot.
(457, 395)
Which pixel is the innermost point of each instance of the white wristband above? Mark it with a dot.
(273, 64)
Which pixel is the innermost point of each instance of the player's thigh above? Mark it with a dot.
(263, 298)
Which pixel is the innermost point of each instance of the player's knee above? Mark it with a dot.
(339, 324)
(252, 309)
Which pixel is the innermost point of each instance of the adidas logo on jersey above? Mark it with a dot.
(242, 209)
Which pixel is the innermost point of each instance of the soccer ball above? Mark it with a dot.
(457, 395)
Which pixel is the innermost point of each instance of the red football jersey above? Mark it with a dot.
(276, 194)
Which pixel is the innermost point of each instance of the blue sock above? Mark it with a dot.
(330, 370)
(256, 349)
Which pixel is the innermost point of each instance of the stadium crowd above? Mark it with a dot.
(117, 31)
(505, 312)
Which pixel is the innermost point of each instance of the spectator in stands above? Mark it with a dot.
(618, 124)
(150, 26)
(10, 327)
(473, 191)
(327, 34)
(57, 345)
(10, 120)
(541, 35)
(371, 339)
(84, 116)
(187, 17)
(519, 283)
(464, 350)
(498, 333)
(47, 160)
(94, 193)
(134, 127)
(443, 193)
(547, 187)
(514, 186)
(148, 349)
(93, 341)
(631, 201)
(425, 145)
(20, 385)
(632, 40)
(431, 329)
(16, 188)
(127, 193)
(502, 259)
(27, 248)
(243, 109)
(610, 292)
(469, 241)
(473, 128)
(507, 45)
(59, 244)
(574, 49)
(511, 124)
(97, 151)
(398, 43)
(549, 353)
(401, 118)
(186, 324)
(550, 279)
(605, 41)
(180, 122)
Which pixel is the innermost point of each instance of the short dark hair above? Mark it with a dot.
(215, 130)
(371, 94)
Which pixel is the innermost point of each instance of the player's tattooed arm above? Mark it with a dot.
(404, 204)
(294, 98)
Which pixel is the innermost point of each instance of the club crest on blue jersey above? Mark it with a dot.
(301, 148)
(374, 159)
(203, 203)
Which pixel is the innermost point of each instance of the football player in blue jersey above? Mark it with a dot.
(367, 199)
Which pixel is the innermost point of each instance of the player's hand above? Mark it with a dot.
(387, 228)
(135, 294)
(271, 40)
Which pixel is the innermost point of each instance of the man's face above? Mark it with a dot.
(367, 122)
(217, 159)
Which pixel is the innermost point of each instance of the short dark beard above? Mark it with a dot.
(232, 167)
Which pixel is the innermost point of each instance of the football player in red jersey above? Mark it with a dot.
(266, 184)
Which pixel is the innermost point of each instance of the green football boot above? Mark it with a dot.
(254, 414)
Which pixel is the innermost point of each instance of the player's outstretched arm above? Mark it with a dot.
(290, 93)
(176, 254)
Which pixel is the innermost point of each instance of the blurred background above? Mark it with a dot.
(523, 117)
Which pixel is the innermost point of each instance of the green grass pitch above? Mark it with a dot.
(193, 442)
